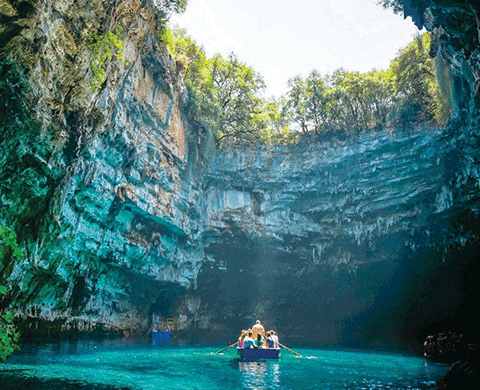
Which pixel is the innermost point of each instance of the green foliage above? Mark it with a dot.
(167, 38)
(8, 245)
(224, 92)
(233, 88)
(342, 102)
(395, 5)
(418, 92)
(226, 97)
(362, 100)
(8, 335)
(346, 103)
(272, 124)
(167, 7)
(104, 47)
(9, 252)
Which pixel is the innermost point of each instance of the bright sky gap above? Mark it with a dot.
(281, 39)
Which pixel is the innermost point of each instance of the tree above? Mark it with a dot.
(418, 92)
(296, 107)
(311, 104)
(235, 87)
(225, 97)
(319, 103)
(167, 7)
(342, 102)
(395, 5)
(407, 94)
(364, 99)
(224, 92)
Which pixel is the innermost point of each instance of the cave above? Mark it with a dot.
(364, 243)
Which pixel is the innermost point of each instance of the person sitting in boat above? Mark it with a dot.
(241, 339)
(269, 337)
(258, 342)
(248, 341)
(257, 329)
(272, 340)
(275, 339)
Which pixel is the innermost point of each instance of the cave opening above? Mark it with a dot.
(394, 289)
(166, 300)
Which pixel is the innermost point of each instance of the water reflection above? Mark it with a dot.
(260, 375)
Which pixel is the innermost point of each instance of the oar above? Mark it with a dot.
(230, 346)
(291, 350)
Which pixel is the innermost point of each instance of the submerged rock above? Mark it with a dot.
(463, 374)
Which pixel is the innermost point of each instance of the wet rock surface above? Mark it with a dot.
(463, 374)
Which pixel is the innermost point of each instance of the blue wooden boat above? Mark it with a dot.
(258, 353)
(159, 337)
(162, 329)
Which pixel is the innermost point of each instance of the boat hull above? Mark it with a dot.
(161, 337)
(258, 353)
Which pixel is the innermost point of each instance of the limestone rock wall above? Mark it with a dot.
(119, 221)
(311, 238)
(456, 40)
(355, 192)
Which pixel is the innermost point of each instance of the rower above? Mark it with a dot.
(257, 329)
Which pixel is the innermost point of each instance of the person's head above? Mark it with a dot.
(259, 336)
(250, 334)
(267, 334)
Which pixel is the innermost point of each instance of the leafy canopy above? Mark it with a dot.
(408, 94)
(9, 252)
(225, 92)
(226, 96)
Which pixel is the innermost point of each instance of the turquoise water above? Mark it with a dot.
(115, 366)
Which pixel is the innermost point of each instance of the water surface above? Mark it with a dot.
(115, 366)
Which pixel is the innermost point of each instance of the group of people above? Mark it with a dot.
(447, 346)
(256, 337)
(160, 324)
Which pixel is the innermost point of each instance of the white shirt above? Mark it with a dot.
(247, 342)
(257, 328)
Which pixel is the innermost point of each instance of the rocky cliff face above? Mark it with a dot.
(456, 36)
(121, 213)
(327, 242)
(108, 209)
